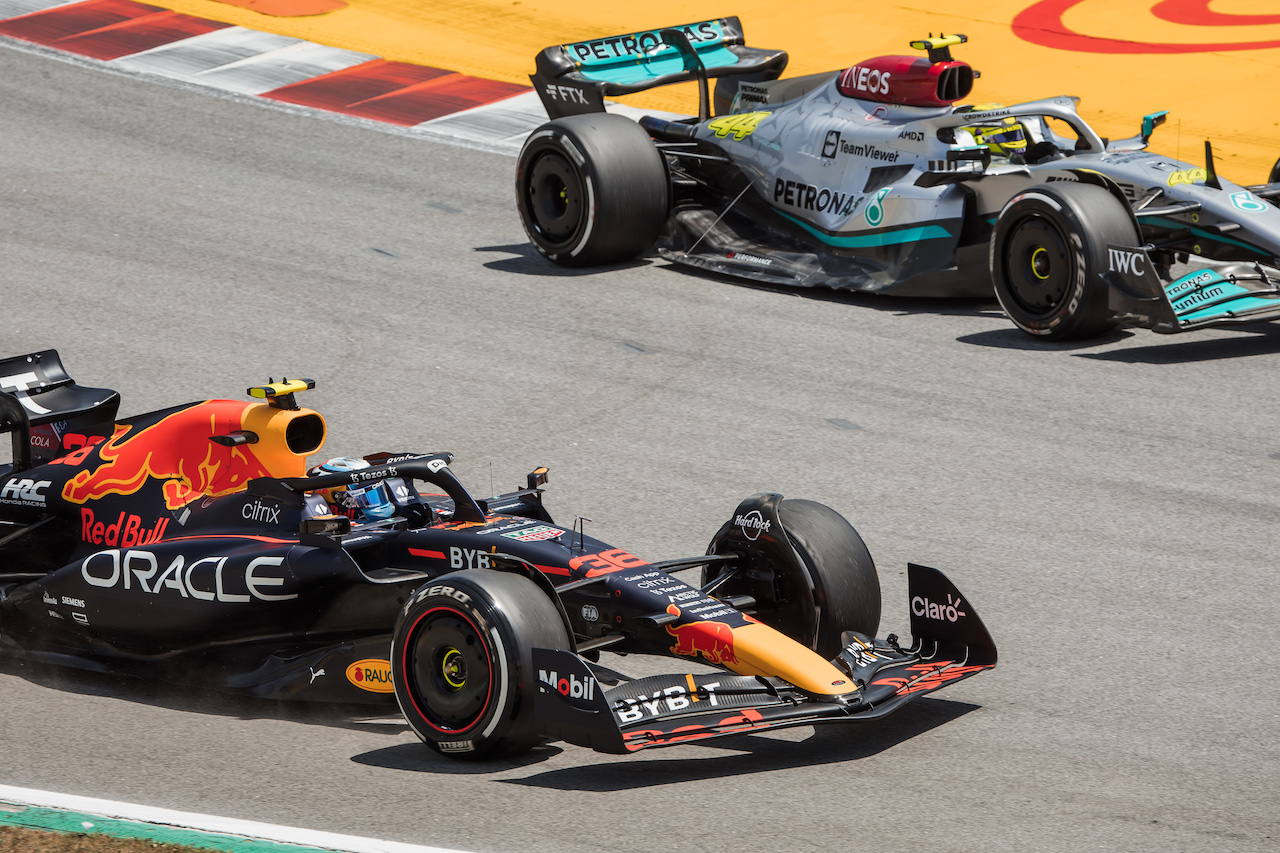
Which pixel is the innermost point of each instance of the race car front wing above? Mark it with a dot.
(1219, 295)
(951, 643)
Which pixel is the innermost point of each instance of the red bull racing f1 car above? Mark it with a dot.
(876, 178)
(192, 545)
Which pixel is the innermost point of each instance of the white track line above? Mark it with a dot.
(209, 823)
(239, 60)
(17, 8)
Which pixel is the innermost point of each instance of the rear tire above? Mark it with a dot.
(837, 589)
(462, 662)
(1274, 177)
(1048, 251)
(591, 189)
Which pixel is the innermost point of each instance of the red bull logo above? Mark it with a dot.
(126, 531)
(712, 640)
(178, 451)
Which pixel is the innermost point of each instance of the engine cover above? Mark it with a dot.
(909, 80)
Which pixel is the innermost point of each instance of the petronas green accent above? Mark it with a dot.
(911, 234)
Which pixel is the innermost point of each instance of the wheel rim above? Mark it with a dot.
(1039, 268)
(449, 676)
(555, 198)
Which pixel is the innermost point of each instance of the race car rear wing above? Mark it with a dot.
(40, 404)
(572, 79)
(951, 643)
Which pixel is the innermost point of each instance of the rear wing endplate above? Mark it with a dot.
(35, 391)
(575, 78)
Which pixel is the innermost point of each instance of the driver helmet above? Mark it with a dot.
(1002, 137)
(373, 499)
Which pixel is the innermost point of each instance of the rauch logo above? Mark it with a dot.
(371, 674)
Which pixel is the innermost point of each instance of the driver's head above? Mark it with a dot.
(373, 499)
(1002, 137)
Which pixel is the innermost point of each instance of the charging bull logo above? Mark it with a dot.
(177, 450)
(712, 640)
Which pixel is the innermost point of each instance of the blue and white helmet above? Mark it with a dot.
(373, 499)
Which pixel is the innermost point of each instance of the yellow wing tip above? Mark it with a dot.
(279, 389)
(936, 42)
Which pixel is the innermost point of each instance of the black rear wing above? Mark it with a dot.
(35, 391)
(572, 79)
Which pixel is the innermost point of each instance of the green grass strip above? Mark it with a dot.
(56, 820)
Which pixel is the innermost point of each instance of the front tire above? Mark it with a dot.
(1047, 254)
(591, 189)
(834, 588)
(462, 662)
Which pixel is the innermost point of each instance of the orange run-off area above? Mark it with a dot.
(1214, 64)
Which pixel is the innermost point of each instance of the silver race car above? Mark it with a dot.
(876, 178)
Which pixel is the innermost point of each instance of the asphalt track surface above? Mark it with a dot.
(1109, 509)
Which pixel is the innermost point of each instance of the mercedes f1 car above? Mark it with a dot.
(874, 178)
(191, 545)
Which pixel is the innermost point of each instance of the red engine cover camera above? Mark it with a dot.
(909, 80)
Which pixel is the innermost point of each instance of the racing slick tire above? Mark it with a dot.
(591, 189)
(833, 588)
(462, 662)
(1274, 177)
(1049, 248)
